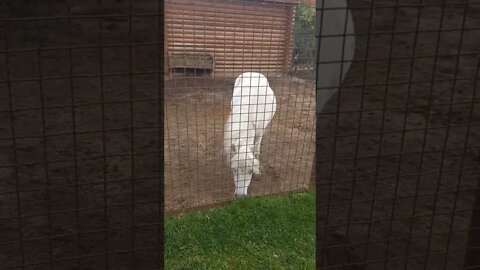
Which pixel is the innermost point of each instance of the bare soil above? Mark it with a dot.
(392, 188)
(84, 182)
(81, 149)
(399, 160)
(196, 169)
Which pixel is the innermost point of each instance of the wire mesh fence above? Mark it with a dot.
(80, 105)
(79, 134)
(81, 112)
(209, 43)
(397, 160)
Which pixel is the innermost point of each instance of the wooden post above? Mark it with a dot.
(289, 37)
(213, 65)
(472, 254)
(166, 63)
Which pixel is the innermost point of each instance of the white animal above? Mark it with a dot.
(253, 107)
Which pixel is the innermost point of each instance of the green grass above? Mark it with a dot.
(270, 232)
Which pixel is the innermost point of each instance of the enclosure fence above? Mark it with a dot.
(80, 152)
(82, 107)
(391, 85)
(208, 44)
(397, 155)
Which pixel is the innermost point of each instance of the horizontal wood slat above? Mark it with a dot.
(214, 23)
(242, 35)
(231, 55)
(244, 6)
(275, 11)
(248, 67)
(226, 15)
(234, 48)
(250, 59)
(235, 55)
(220, 29)
(237, 51)
(225, 35)
(265, 47)
(240, 42)
(248, 64)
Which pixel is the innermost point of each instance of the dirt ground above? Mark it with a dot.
(77, 177)
(360, 191)
(404, 187)
(196, 170)
(97, 193)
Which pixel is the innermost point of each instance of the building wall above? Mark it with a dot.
(241, 35)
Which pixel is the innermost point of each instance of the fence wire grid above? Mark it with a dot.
(397, 145)
(81, 107)
(80, 152)
(210, 43)
(81, 97)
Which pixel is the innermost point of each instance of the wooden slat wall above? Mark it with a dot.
(242, 35)
(289, 37)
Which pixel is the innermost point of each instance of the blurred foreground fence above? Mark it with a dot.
(398, 144)
(80, 135)
(81, 110)
(80, 152)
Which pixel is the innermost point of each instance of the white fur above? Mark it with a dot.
(253, 107)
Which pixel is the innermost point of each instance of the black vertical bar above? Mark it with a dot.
(445, 142)
(395, 195)
(44, 138)
(160, 133)
(337, 116)
(320, 252)
(405, 120)
(361, 110)
(74, 132)
(104, 158)
(427, 127)
(465, 147)
(14, 140)
(472, 252)
(380, 146)
(132, 134)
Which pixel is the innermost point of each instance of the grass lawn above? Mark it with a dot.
(270, 232)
